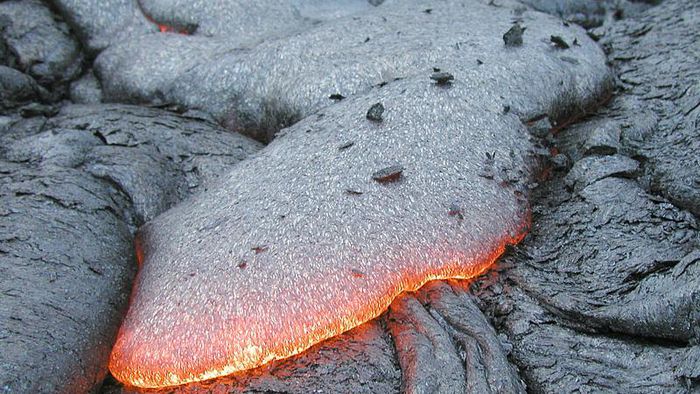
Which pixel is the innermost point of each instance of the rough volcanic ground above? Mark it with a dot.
(602, 296)
(333, 259)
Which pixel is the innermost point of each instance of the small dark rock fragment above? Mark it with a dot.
(487, 171)
(428, 10)
(456, 211)
(570, 60)
(336, 96)
(510, 177)
(242, 265)
(514, 36)
(559, 42)
(560, 161)
(479, 62)
(259, 249)
(375, 112)
(346, 145)
(442, 78)
(353, 192)
(506, 109)
(388, 174)
(95, 270)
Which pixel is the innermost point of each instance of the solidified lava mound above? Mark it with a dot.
(405, 140)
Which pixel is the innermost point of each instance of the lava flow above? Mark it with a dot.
(152, 365)
(279, 256)
(163, 28)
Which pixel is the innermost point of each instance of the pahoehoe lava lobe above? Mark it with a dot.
(279, 256)
(257, 90)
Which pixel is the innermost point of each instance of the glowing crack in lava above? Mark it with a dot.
(299, 243)
(163, 28)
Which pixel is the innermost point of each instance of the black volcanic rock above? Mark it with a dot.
(99, 26)
(375, 112)
(17, 89)
(604, 293)
(514, 36)
(664, 129)
(39, 44)
(442, 78)
(73, 189)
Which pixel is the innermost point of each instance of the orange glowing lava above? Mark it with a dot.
(163, 28)
(144, 367)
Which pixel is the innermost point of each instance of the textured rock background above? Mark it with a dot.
(602, 296)
(74, 188)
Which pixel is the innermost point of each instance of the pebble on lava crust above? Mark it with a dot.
(514, 36)
(442, 78)
(375, 112)
(389, 174)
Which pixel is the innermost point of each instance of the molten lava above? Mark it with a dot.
(278, 341)
(163, 28)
